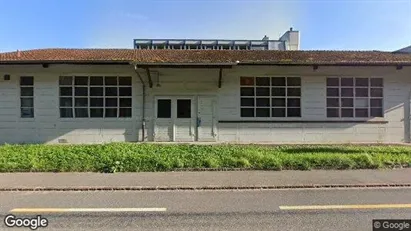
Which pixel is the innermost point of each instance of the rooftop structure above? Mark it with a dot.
(289, 41)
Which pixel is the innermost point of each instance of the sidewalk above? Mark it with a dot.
(205, 180)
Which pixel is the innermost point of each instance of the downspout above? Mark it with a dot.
(143, 125)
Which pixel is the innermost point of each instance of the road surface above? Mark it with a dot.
(334, 209)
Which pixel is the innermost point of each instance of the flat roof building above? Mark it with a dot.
(289, 41)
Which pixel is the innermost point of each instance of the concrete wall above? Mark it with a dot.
(48, 127)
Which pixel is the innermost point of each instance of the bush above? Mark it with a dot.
(131, 157)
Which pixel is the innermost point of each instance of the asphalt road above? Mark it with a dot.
(211, 210)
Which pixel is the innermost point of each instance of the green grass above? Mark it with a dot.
(129, 157)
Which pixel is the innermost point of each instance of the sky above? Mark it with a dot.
(323, 24)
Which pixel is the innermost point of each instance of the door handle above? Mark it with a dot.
(198, 122)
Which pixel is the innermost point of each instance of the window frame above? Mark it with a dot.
(89, 97)
(340, 117)
(271, 97)
(26, 97)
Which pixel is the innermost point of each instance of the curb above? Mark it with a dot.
(195, 188)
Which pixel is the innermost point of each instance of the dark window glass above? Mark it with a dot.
(293, 112)
(66, 113)
(376, 92)
(111, 102)
(81, 80)
(26, 102)
(262, 81)
(361, 92)
(361, 82)
(111, 91)
(96, 112)
(247, 81)
(263, 91)
(293, 91)
(376, 82)
(278, 81)
(333, 82)
(347, 82)
(96, 91)
(361, 112)
(26, 91)
(66, 80)
(278, 91)
(111, 112)
(278, 102)
(278, 112)
(247, 91)
(247, 112)
(183, 108)
(333, 92)
(125, 112)
(66, 91)
(26, 112)
(347, 102)
(125, 91)
(66, 102)
(247, 102)
(26, 81)
(81, 112)
(110, 80)
(376, 112)
(263, 112)
(96, 102)
(164, 108)
(347, 112)
(333, 102)
(80, 91)
(333, 112)
(293, 81)
(96, 80)
(263, 102)
(376, 102)
(293, 102)
(347, 92)
(124, 81)
(81, 102)
(125, 102)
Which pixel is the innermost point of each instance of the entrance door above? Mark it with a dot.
(174, 119)
(206, 121)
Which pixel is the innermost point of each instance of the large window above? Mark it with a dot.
(270, 96)
(95, 96)
(26, 97)
(354, 97)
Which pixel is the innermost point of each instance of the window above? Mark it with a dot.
(26, 97)
(95, 96)
(354, 97)
(183, 108)
(164, 108)
(270, 96)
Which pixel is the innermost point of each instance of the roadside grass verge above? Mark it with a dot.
(129, 157)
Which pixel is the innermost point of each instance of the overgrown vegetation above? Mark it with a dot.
(129, 157)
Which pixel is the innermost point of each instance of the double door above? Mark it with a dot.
(185, 118)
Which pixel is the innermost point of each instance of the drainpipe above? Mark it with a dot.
(143, 126)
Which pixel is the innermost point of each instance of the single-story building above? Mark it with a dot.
(105, 95)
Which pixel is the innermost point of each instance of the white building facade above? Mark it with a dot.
(93, 102)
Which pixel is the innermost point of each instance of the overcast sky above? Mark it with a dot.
(323, 24)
